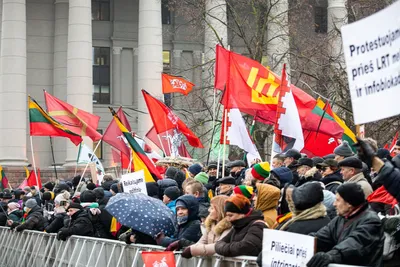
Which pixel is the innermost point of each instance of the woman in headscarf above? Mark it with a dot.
(266, 200)
(217, 226)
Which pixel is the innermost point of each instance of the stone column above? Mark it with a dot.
(150, 64)
(79, 63)
(176, 61)
(116, 75)
(60, 68)
(278, 37)
(197, 57)
(337, 17)
(13, 98)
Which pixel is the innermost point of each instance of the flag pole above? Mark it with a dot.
(218, 162)
(34, 166)
(224, 151)
(91, 158)
(77, 159)
(54, 159)
(162, 146)
(213, 124)
(128, 170)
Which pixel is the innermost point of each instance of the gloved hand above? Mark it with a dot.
(187, 253)
(159, 237)
(364, 151)
(61, 236)
(321, 259)
(173, 246)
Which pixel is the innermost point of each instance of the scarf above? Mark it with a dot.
(315, 212)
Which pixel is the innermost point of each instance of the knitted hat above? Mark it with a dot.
(13, 205)
(383, 154)
(49, 185)
(344, 150)
(171, 172)
(261, 171)
(49, 195)
(352, 193)
(244, 190)
(307, 196)
(351, 162)
(30, 203)
(172, 192)
(63, 197)
(195, 169)
(398, 143)
(88, 196)
(237, 204)
(202, 177)
(99, 192)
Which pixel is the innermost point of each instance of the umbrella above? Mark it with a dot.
(142, 213)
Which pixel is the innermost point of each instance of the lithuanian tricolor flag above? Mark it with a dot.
(3, 179)
(348, 134)
(140, 160)
(41, 124)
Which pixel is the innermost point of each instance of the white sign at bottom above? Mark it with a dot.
(134, 182)
(286, 249)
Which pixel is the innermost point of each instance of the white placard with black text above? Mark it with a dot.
(134, 182)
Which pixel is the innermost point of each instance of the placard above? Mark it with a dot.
(372, 51)
(282, 248)
(134, 182)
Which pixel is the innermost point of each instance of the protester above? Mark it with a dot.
(114, 189)
(80, 223)
(277, 161)
(351, 170)
(283, 174)
(14, 212)
(331, 176)
(245, 238)
(260, 172)
(217, 226)
(60, 218)
(171, 194)
(164, 184)
(136, 237)
(343, 151)
(290, 161)
(197, 190)
(34, 219)
(225, 186)
(49, 186)
(212, 172)
(195, 169)
(202, 177)
(237, 169)
(307, 173)
(244, 190)
(266, 200)
(187, 209)
(354, 237)
(152, 189)
(396, 148)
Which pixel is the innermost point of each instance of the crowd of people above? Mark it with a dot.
(331, 198)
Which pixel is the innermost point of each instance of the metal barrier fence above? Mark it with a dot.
(33, 248)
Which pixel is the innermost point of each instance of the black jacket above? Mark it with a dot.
(293, 168)
(34, 221)
(356, 240)
(15, 216)
(57, 222)
(390, 176)
(332, 181)
(306, 227)
(245, 238)
(80, 224)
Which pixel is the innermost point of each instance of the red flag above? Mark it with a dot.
(221, 67)
(394, 141)
(159, 258)
(124, 161)
(318, 144)
(76, 120)
(114, 137)
(31, 180)
(174, 84)
(116, 156)
(153, 137)
(382, 196)
(164, 120)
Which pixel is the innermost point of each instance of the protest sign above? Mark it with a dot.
(134, 182)
(372, 52)
(286, 249)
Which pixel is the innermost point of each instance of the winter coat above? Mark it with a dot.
(293, 168)
(390, 176)
(311, 175)
(101, 221)
(189, 232)
(360, 179)
(245, 238)
(308, 226)
(15, 215)
(267, 202)
(80, 224)
(332, 181)
(354, 240)
(34, 221)
(164, 184)
(239, 177)
(140, 238)
(215, 232)
(172, 206)
(273, 180)
(203, 207)
(58, 221)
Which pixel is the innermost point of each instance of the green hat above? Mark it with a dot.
(244, 190)
(202, 177)
(261, 171)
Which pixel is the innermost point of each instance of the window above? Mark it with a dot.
(165, 13)
(321, 19)
(101, 10)
(101, 75)
(99, 150)
(166, 60)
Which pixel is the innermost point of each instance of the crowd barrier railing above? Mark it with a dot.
(40, 249)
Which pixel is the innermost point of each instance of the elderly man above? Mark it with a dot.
(351, 170)
(343, 151)
(225, 186)
(354, 237)
(237, 170)
(290, 161)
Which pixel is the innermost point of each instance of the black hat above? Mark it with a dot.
(383, 153)
(49, 185)
(99, 192)
(171, 172)
(351, 162)
(329, 156)
(305, 161)
(90, 186)
(292, 153)
(317, 160)
(328, 163)
(60, 187)
(308, 195)
(212, 165)
(74, 205)
(88, 196)
(172, 192)
(227, 180)
(352, 193)
(49, 195)
(237, 163)
(7, 196)
(398, 143)
(114, 188)
(152, 189)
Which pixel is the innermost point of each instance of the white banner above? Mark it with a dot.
(372, 52)
(134, 182)
(286, 249)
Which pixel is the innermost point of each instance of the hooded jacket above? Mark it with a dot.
(189, 232)
(332, 181)
(164, 184)
(34, 221)
(245, 238)
(354, 240)
(267, 202)
(390, 177)
(80, 224)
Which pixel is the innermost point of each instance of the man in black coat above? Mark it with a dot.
(34, 220)
(80, 223)
(354, 237)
